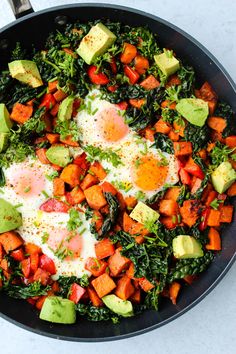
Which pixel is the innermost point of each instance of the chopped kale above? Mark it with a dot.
(164, 143)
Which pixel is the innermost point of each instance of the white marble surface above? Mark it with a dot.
(210, 326)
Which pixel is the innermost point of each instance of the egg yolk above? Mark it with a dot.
(65, 243)
(149, 175)
(111, 125)
(28, 182)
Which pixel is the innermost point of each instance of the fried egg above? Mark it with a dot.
(142, 167)
(27, 187)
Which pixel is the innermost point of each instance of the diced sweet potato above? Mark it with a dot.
(168, 207)
(145, 284)
(58, 187)
(10, 241)
(117, 263)
(95, 197)
(190, 212)
(183, 148)
(71, 174)
(21, 113)
(88, 181)
(124, 288)
(213, 218)
(103, 285)
(104, 248)
(226, 213)
(97, 169)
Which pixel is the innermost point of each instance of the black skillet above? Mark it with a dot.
(34, 28)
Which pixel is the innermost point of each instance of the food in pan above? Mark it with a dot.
(116, 170)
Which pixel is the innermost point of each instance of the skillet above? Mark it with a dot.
(34, 28)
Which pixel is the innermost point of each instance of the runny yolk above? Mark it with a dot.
(28, 182)
(111, 125)
(66, 244)
(149, 175)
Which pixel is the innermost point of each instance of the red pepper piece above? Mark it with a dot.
(131, 74)
(96, 77)
(25, 266)
(18, 255)
(122, 105)
(48, 101)
(113, 65)
(76, 292)
(54, 205)
(203, 224)
(194, 169)
(46, 263)
(185, 177)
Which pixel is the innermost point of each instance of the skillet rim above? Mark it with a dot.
(201, 48)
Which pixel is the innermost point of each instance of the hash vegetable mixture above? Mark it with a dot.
(131, 258)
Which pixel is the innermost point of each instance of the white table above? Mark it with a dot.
(210, 326)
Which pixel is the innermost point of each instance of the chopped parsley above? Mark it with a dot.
(95, 153)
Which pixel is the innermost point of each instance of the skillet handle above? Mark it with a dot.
(21, 8)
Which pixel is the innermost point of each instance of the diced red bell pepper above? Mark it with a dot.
(122, 105)
(46, 263)
(185, 177)
(196, 185)
(18, 255)
(203, 224)
(131, 74)
(42, 276)
(76, 292)
(25, 267)
(34, 262)
(96, 77)
(222, 197)
(54, 205)
(113, 65)
(112, 88)
(194, 169)
(48, 101)
(82, 162)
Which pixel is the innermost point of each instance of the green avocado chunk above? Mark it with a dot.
(121, 307)
(223, 177)
(25, 71)
(194, 110)
(95, 43)
(5, 121)
(65, 109)
(167, 63)
(3, 141)
(58, 310)
(58, 155)
(143, 213)
(185, 246)
(10, 218)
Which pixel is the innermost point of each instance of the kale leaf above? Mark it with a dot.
(111, 218)
(24, 292)
(93, 313)
(164, 143)
(187, 76)
(2, 178)
(225, 111)
(199, 136)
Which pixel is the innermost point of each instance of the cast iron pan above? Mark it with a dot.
(34, 28)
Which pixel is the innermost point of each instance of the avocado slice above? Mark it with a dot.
(143, 213)
(185, 246)
(5, 121)
(65, 109)
(58, 310)
(58, 155)
(223, 177)
(194, 110)
(10, 218)
(3, 141)
(167, 63)
(121, 307)
(95, 43)
(25, 71)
